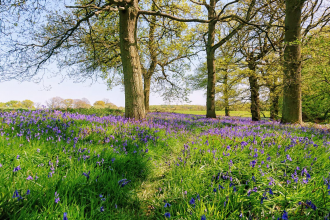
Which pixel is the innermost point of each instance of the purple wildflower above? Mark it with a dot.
(192, 201)
(288, 157)
(57, 198)
(123, 182)
(167, 215)
(285, 215)
(65, 216)
(253, 163)
(87, 174)
(270, 191)
(271, 181)
(225, 203)
(311, 205)
(17, 168)
(15, 194)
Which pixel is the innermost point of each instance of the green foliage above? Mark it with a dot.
(316, 78)
(27, 103)
(229, 79)
(14, 104)
(99, 104)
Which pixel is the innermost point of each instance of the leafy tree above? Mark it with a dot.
(271, 78)
(316, 76)
(13, 104)
(27, 103)
(55, 102)
(45, 46)
(229, 77)
(292, 102)
(109, 104)
(68, 103)
(99, 104)
(256, 45)
(162, 53)
(211, 45)
(81, 103)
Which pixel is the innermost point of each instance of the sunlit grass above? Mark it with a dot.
(119, 169)
(222, 113)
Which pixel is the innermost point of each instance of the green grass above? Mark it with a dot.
(169, 157)
(222, 113)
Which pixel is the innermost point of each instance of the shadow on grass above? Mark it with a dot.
(109, 191)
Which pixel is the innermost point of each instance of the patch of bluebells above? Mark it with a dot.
(255, 140)
(123, 182)
(16, 195)
(57, 197)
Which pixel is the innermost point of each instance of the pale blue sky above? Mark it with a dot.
(40, 92)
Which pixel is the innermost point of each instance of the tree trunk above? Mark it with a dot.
(226, 94)
(146, 92)
(254, 90)
(152, 47)
(211, 77)
(274, 99)
(134, 98)
(292, 112)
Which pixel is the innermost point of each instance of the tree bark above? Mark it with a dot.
(292, 111)
(146, 89)
(254, 90)
(134, 98)
(226, 94)
(274, 103)
(153, 57)
(211, 80)
(211, 77)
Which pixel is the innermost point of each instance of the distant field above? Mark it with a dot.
(222, 113)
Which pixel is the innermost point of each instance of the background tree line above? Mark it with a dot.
(59, 103)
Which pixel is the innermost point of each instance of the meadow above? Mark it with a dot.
(72, 165)
(222, 113)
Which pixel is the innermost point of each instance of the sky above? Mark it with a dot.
(52, 87)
